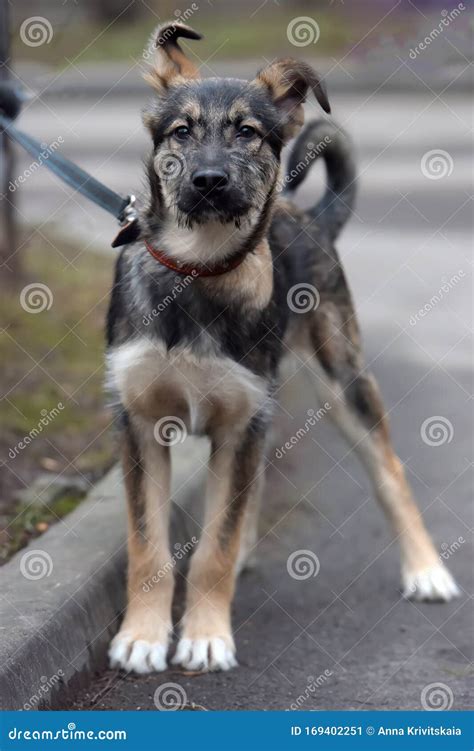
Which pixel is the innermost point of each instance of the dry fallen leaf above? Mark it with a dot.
(50, 464)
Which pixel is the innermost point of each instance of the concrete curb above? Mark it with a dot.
(62, 596)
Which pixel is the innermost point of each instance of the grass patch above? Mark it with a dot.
(52, 407)
(28, 522)
(226, 35)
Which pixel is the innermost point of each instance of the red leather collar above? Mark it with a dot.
(189, 269)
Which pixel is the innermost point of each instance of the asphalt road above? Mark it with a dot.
(344, 639)
(347, 629)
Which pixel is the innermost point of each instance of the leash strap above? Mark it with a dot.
(121, 208)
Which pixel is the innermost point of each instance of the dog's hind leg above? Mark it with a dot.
(249, 533)
(234, 475)
(357, 409)
(141, 644)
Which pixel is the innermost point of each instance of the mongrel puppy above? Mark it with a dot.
(198, 323)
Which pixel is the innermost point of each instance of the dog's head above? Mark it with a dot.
(217, 142)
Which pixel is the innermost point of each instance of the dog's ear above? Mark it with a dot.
(288, 82)
(171, 64)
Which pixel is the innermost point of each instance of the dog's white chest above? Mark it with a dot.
(207, 393)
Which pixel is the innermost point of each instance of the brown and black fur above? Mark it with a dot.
(242, 323)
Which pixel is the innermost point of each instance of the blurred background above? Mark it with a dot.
(399, 81)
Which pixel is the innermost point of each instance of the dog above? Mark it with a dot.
(218, 228)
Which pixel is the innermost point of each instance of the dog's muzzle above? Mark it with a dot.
(209, 181)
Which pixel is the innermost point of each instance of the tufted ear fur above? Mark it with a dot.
(288, 82)
(171, 64)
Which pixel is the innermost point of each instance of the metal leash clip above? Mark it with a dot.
(128, 220)
(130, 212)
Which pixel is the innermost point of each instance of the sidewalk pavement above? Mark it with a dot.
(344, 639)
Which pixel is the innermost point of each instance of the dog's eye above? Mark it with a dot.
(181, 133)
(246, 131)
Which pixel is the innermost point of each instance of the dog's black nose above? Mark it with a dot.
(208, 180)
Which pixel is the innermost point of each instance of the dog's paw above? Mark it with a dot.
(210, 653)
(433, 584)
(137, 655)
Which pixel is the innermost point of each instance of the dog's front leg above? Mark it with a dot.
(234, 475)
(141, 644)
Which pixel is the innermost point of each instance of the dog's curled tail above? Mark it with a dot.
(322, 138)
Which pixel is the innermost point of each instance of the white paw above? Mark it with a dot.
(138, 655)
(434, 583)
(205, 654)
